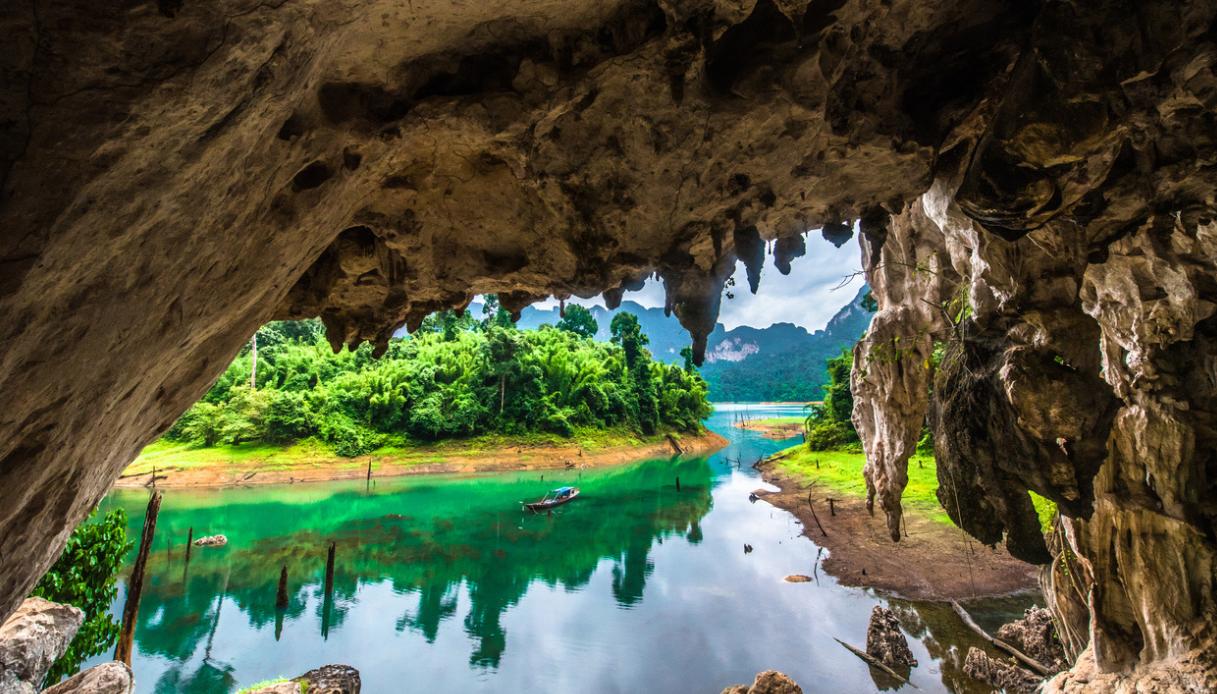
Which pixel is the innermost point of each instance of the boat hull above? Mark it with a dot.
(546, 505)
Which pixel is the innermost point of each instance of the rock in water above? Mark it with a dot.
(1035, 635)
(798, 578)
(996, 673)
(211, 541)
(32, 639)
(107, 678)
(885, 641)
(767, 682)
(327, 679)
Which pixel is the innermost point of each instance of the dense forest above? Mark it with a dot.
(457, 376)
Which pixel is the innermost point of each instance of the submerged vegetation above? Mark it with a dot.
(456, 377)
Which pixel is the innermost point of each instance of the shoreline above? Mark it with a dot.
(254, 471)
(775, 431)
(932, 562)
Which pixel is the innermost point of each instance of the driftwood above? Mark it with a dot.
(126, 637)
(675, 444)
(875, 662)
(1027, 660)
(814, 516)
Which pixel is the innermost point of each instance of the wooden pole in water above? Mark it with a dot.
(189, 542)
(814, 516)
(875, 662)
(281, 598)
(329, 569)
(678, 484)
(126, 637)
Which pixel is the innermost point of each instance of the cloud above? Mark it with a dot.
(809, 296)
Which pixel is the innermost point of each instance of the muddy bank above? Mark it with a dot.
(228, 473)
(772, 430)
(933, 562)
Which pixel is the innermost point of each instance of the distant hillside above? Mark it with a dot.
(783, 362)
(780, 362)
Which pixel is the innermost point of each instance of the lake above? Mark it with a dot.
(443, 584)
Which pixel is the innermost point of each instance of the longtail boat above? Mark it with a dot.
(557, 497)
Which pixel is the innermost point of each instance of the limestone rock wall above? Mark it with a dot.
(1083, 365)
(173, 174)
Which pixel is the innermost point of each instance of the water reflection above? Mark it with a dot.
(441, 583)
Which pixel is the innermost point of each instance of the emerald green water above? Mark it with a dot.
(443, 584)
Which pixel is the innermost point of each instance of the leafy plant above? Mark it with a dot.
(86, 575)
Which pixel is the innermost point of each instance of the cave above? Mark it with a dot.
(1033, 185)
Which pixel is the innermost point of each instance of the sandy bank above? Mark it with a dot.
(223, 472)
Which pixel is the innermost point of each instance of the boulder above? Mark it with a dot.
(767, 682)
(886, 642)
(1035, 635)
(211, 541)
(1003, 675)
(327, 679)
(108, 678)
(32, 639)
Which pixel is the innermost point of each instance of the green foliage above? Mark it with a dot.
(868, 301)
(454, 378)
(830, 426)
(578, 320)
(85, 575)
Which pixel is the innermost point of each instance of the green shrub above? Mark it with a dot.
(86, 575)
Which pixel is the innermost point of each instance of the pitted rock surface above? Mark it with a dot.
(1003, 675)
(1033, 183)
(32, 639)
(767, 682)
(107, 678)
(886, 642)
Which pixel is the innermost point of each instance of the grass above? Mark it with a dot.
(399, 452)
(842, 472)
(266, 683)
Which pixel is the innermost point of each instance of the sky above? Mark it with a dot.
(809, 296)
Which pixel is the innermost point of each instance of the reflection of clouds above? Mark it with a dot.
(701, 616)
(808, 296)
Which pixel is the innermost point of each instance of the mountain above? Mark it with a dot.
(783, 362)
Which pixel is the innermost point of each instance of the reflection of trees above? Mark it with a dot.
(462, 530)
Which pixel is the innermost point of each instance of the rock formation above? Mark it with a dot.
(108, 678)
(327, 679)
(35, 636)
(1033, 183)
(1035, 634)
(1005, 676)
(767, 682)
(886, 642)
(31, 639)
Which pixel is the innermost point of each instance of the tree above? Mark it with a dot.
(86, 575)
(830, 426)
(628, 333)
(580, 321)
(501, 347)
(494, 315)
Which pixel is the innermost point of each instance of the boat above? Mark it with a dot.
(557, 497)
